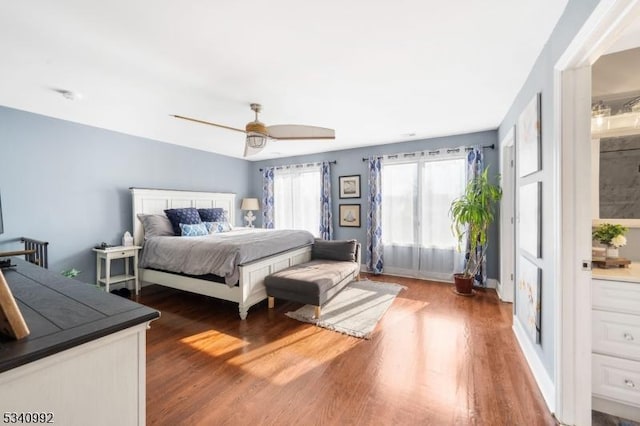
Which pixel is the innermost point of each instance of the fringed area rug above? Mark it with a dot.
(355, 310)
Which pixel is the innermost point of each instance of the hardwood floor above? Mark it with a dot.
(434, 359)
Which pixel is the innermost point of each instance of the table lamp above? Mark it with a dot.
(250, 205)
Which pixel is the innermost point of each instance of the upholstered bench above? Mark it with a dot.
(333, 265)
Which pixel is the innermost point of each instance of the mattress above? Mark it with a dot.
(220, 253)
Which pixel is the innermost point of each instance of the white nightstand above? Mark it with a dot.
(119, 252)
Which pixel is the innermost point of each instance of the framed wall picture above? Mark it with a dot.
(350, 186)
(529, 296)
(350, 215)
(529, 137)
(530, 224)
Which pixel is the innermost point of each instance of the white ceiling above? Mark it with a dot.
(376, 71)
(616, 74)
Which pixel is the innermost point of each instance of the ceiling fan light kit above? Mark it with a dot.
(257, 133)
(256, 140)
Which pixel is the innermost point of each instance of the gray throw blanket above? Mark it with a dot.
(220, 253)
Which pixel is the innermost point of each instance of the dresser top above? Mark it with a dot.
(62, 313)
(630, 274)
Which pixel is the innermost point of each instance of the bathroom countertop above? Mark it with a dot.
(630, 274)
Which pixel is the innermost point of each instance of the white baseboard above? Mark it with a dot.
(616, 409)
(504, 294)
(544, 382)
(409, 273)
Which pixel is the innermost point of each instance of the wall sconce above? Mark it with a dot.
(250, 205)
(607, 124)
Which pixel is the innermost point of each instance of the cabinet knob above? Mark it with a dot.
(628, 336)
(630, 383)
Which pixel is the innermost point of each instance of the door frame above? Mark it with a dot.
(506, 286)
(572, 195)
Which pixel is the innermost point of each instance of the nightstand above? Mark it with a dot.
(119, 252)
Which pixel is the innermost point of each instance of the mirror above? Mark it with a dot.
(619, 177)
(615, 129)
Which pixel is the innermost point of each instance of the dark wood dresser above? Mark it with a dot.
(84, 360)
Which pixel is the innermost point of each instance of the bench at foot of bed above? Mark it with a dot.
(333, 265)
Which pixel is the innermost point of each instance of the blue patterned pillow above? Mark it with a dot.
(193, 230)
(211, 215)
(216, 227)
(187, 215)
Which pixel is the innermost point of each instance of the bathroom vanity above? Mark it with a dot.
(616, 341)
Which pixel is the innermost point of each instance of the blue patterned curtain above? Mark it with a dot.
(267, 197)
(374, 217)
(326, 222)
(475, 166)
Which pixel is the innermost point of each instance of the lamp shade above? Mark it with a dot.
(250, 204)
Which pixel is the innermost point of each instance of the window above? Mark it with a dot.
(416, 228)
(442, 182)
(399, 203)
(296, 198)
(416, 199)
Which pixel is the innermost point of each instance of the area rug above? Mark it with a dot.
(355, 310)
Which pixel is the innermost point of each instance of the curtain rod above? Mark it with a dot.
(436, 151)
(317, 163)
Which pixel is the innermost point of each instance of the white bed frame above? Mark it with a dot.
(250, 289)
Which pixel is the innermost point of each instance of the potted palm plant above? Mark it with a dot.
(471, 215)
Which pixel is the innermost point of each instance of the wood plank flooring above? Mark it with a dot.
(434, 359)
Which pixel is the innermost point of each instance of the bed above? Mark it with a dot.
(249, 289)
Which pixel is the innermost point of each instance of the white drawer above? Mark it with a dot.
(616, 378)
(616, 334)
(617, 296)
(119, 254)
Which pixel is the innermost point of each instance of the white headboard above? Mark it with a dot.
(155, 201)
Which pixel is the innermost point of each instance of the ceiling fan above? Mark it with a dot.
(258, 134)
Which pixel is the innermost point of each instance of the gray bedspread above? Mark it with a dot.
(221, 253)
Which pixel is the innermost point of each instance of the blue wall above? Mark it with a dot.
(68, 183)
(349, 162)
(540, 79)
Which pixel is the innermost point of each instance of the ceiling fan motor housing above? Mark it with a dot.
(256, 127)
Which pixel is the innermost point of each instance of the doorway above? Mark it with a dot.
(506, 285)
(572, 106)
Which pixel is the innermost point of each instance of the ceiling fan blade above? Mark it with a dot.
(297, 131)
(195, 120)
